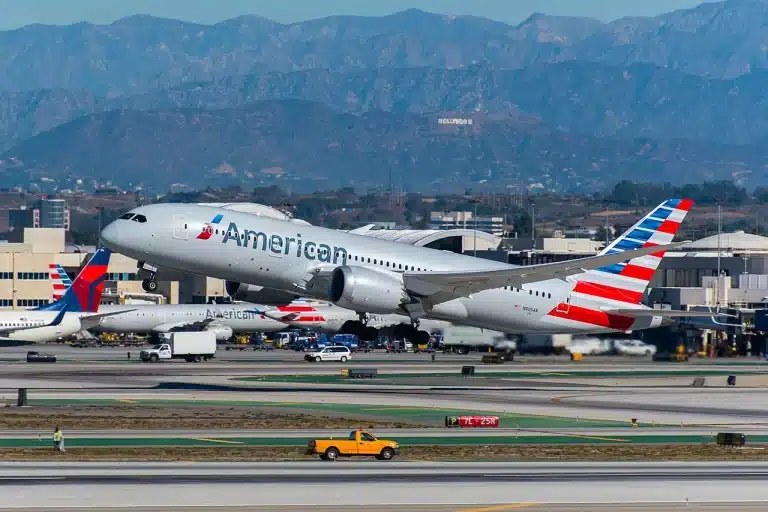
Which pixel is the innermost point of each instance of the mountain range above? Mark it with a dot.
(307, 146)
(688, 84)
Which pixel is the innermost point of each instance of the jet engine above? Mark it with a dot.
(364, 290)
(223, 332)
(258, 294)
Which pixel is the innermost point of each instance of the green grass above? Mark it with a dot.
(405, 441)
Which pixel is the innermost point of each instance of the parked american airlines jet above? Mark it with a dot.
(223, 319)
(590, 295)
(332, 319)
(78, 309)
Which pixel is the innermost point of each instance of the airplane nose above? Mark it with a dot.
(110, 237)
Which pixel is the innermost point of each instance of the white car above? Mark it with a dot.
(589, 346)
(339, 353)
(634, 348)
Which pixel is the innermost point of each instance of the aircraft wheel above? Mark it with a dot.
(149, 285)
(369, 334)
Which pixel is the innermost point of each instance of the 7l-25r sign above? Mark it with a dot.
(472, 421)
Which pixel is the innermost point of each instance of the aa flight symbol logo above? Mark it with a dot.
(207, 231)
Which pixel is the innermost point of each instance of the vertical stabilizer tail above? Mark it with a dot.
(625, 283)
(84, 295)
(60, 281)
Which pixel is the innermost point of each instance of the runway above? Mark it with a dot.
(392, 486)
(406, 437)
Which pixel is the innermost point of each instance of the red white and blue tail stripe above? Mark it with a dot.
(625, 283)
(59, 280)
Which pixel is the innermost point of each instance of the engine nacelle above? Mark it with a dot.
(364, 290)
(258, 294)
(223, 332)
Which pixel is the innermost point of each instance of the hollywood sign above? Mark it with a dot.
(454, 120)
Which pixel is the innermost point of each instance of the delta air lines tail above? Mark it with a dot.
(84, 294)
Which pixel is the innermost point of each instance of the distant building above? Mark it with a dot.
(466, 220)
(49, 213)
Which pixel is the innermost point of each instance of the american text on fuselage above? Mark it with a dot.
(307, 249)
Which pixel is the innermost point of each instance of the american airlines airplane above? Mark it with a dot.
(223, 319)
(331, 319)
(77, 310)
(598, 294)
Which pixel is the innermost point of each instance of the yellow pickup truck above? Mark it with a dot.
(359, 444)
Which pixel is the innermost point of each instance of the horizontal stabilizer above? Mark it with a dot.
(643, 313)
(445, 286)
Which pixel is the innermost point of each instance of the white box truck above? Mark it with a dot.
(190, 346)
(462, 339)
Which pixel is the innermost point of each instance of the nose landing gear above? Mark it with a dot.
(149, 284)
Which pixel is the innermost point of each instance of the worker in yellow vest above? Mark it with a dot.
(58, 440)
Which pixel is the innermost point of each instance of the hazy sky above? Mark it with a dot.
(16, 13)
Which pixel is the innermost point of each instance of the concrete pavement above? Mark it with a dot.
(390, 486)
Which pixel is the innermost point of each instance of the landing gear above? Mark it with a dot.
(360, 330)
(413, 334)
(149, 285)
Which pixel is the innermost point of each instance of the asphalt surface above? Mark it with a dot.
(534, 507)
(536, 386)
(390, 486)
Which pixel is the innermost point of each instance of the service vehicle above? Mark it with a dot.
(463, 339)
(631, 347)
(334, 353)
(190, 346)
(359, 444)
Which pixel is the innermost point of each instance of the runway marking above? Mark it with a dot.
(215, 440)
(127, 401)
(497, 508)
(557, 399)
(598, 438)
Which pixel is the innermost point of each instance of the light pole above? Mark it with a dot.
(719, 230)
(98, 236)
(474, 232)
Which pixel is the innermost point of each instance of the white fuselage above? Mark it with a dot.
(70, 325)
(149, 318)
(282, 255)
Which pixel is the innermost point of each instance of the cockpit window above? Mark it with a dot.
(126, 216)
(139, 218)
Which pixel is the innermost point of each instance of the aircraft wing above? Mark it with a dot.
(199, 324)
(438, 287)
(92, 321)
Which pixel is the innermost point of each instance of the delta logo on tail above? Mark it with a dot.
(84, 295)
(207, 231)
(623, 284)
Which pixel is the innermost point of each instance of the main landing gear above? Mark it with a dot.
(360, 329)
(412, 333)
